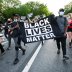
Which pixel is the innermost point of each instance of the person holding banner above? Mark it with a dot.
(62, 23)
(14, 32)
(21, 35)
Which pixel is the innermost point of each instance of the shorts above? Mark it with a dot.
(69, 30)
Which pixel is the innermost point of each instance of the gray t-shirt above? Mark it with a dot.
(62, 23)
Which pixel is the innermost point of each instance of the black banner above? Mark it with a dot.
(44, 29)
(38, 31)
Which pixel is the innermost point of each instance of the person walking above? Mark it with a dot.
(69, 30)
(8, 25)
(21, 36)
(14, 32)
(62, 24)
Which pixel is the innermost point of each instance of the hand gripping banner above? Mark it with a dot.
(43, 29)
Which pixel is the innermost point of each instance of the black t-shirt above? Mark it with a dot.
(22, 31)
(21, 25)
(15, 30)
(7, 26)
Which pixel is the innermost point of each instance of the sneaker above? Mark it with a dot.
(65, 57)
(58, 52)
(23, 53)
(16, 61)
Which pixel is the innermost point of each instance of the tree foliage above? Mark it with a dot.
(8, 12)
(7, 7)
(37, 8)
(11, 3)
(68, 8)
(14, 6)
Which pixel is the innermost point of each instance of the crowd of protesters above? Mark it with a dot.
(12, 30)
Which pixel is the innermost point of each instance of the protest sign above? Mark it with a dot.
(39, 30)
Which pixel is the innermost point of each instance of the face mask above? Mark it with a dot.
(15, 20)
(61, 13)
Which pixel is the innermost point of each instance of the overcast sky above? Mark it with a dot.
(53, 5)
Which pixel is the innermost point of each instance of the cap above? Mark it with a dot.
(61, 9)
(17, 15)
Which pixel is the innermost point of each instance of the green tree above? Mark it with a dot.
(8, 7)
(11, 3)
(35, 8)
(1, 16)
(68, 8)
(24, 9)
(0, 5)
(8, 12)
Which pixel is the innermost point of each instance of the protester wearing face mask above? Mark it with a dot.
(15, 17)
(61, 13)
(15, 35)
(62, 24)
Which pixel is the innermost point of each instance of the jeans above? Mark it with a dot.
(16, 46)
(9, 41)
(63, 44)
(1, 47)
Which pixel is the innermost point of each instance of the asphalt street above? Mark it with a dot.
(47, 59)
(6, 61)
